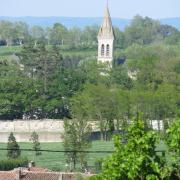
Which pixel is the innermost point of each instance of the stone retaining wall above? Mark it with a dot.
(48, 130)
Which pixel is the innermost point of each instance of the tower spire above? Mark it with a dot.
(106, 29)
(106, 38)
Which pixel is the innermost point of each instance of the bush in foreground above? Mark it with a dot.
(137, 159)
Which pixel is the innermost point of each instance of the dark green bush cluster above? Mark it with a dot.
(10, 164)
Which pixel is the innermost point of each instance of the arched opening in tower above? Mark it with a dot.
(107, 50)
(102, 50)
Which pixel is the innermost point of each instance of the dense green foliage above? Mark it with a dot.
(10, 164)
(173, 139)
(39, 79)
(137, 158)
(13, 149)
(141, 31)
(53, 74)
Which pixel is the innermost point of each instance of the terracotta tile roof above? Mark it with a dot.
(40, 176)
(7, 175)
(35, 173)
(38, 169)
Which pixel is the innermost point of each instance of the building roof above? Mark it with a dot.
(106, 29)
(40, 176)
(7, 175)
(35, 173)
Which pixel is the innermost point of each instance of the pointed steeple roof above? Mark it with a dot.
(106, 30)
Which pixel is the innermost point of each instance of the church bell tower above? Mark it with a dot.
(106, 39)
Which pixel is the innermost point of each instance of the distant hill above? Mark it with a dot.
(81, 22)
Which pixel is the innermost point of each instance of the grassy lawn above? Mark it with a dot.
(6, 52)
(56, 160)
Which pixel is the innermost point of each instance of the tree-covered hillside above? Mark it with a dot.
(49, 68)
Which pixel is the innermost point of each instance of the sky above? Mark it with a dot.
(90, 8)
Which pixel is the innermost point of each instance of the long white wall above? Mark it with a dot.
(48, 130)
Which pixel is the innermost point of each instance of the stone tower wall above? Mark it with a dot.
(105, 58)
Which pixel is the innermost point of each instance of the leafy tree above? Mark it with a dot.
(13, 147)
(120, 38)
(22, 32)
(75, 39)
(13, 85)
(36, 144)
(119, 76)
(7, 32)
(40, 62)
(165, 102)
(167, 30)
(173, 39)
(135, 159)
(173, 137)
(101, 105)
(37, 33)
(58, 34)
(147, 31)
(76, 138)
(89, 36)
(77, 132)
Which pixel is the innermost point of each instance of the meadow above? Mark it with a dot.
(8, 51)
(86, 53)
(57, 160)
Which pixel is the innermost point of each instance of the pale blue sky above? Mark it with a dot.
(90, 8)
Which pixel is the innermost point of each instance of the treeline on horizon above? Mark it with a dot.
(41, 82)
(141, 31)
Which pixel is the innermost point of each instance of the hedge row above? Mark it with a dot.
(10, 164)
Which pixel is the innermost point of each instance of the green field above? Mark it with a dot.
(56, 160)
(6, 52)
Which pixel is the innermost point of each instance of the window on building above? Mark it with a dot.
(107, 50)
(102, 50)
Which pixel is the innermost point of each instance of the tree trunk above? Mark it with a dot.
(45, 75)
(20, 42)
(35, 43)
(158, 125)
(102, 135)
(9, 42)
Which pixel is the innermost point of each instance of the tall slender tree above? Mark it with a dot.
(13, 147)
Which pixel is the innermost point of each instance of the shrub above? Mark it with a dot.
(13, 147)
(10, 164)
(36, 144)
